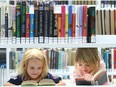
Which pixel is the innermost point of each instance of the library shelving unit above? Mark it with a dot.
(102, 41)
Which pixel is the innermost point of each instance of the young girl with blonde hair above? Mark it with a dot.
(87, 63)
(32, 67)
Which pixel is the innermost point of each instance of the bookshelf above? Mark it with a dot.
(101, 41)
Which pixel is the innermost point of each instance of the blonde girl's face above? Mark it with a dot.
(34, 68)
(85, 68)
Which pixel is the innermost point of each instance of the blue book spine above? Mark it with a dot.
(31, 25)
(70, 21)
(80, 19)
(31, 12)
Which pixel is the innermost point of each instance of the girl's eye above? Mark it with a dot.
(31, 67)
(87, 65)
(80, 64)
(39, 68)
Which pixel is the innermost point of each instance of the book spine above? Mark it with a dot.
(73, 23)
(92, 24)
(63, 23)
(27, 27)
(52, 23)
(23, 21)
(70, 23)
(114, 58)
(6, 25)
(84, 26)
(114, 21)
(2, 24)
(31, 12)
(46, 22)
(10, 34)
(36, 24)
(18, 22)
(77, 25)
(41, 29)
(80, 22)
(14, 24)
(59, 28)
(66, 24)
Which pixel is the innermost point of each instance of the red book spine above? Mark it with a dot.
(114, 58)
(73, 24)
(84, 28)
(114, 21)
(63, 21)
(27, 25)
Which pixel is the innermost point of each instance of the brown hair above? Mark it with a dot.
(89, 56)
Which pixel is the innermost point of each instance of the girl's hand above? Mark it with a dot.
(88, 77)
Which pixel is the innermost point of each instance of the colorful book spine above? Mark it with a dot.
(73, 23)
(18, 22)
(66, 24)
(31, 12)
(0, 24)
(27, 27)
(84, 26)
(80, 23)
(23, 21)
(114, 21)
(59, 27)
(63, 8)
(115, 59)
(70, 23)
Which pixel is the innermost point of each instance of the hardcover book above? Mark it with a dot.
(43, 82)
(98, 79)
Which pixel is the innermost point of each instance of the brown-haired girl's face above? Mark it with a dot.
(34, 68)
(84, 67)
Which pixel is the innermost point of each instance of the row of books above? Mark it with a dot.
(108, 3)
(46, 20)
(106, 21)
(61, 2)
(57, 58)
(109, 57)
(61, 58)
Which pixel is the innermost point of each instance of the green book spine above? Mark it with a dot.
(18, 21)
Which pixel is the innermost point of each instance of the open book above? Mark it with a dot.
(43, 82)
(98, 79)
